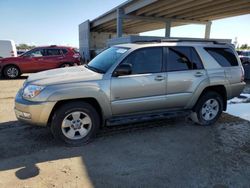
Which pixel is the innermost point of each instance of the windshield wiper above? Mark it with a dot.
(94, 69)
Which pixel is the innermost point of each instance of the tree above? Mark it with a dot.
(244, 46)
(24, 47)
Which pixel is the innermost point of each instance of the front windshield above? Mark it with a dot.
(102, 62)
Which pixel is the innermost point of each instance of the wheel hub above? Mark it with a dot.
(210, 109)
(76, 125)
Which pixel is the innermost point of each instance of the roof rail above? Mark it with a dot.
(145, 39)
(214, 41)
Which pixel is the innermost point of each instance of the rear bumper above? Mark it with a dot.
(236, 89)
(35, 113)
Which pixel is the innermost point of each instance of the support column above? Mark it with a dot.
(208, 30)
(168, 29)
(119, 22)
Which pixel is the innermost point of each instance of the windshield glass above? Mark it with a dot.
(102, 62)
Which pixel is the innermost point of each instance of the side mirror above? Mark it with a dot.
(123, 69)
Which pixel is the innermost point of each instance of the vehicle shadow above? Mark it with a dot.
(23, 77)
(144, 154)
(18, 140)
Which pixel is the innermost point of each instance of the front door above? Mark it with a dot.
(31, 59)
(145, 88)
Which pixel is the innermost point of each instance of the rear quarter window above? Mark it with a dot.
(224, 56)
(64, 51)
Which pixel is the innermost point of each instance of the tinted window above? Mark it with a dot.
(224, 56)
(51, 52)
(183, 58)
(147, 60)
(64, 51)
(245, 53)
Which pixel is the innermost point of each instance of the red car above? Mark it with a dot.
(39, 59)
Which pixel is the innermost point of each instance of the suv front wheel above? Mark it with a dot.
(11, 72)
(75, 123)
(208, 109)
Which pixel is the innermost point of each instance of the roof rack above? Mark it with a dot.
(146, 39)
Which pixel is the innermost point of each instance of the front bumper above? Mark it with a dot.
(36, 113)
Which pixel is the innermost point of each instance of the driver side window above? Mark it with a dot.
(36, 53)
(146, 60)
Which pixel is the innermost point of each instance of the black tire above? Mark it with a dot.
(203, 112)
(11, 72)
(66, 65)
(64, 112)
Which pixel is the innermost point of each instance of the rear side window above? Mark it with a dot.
(224, 56)
(183, 58)
(146, 60)
(64, 51)
(76, 50)
(52, 52)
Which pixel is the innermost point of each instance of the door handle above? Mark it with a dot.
(199, 74)
(159, 78)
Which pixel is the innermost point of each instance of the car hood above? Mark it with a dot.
(64, 76)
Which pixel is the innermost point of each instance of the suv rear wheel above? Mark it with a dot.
(75, 123)
(208, 109)
(65, 65)
(11, 72)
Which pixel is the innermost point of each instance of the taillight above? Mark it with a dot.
(76, 56)
(242, 74)
(12, 53)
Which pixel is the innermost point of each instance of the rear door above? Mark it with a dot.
(145, 88)
(185, 72)
(53, 59)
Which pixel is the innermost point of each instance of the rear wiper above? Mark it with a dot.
(94, 69)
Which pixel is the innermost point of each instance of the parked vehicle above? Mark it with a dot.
(39, 59)
(133, 82)
(244, 56)
(7, 48)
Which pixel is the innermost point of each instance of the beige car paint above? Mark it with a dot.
(132, 93)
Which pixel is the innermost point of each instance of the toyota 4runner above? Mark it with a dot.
(133, 82)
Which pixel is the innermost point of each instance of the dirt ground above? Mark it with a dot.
(166, 153)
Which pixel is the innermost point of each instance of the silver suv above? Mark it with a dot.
(133, 82)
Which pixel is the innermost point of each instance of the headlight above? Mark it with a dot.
(31, 91)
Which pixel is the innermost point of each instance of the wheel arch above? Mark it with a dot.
(10, 64)
(220, 89)
(89, 100)
(71, 64)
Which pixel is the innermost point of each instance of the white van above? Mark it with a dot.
(7, 48)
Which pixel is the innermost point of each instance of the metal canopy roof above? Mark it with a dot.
(145, 15)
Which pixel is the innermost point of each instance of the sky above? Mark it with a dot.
(49, 22)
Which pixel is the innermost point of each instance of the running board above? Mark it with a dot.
(120, 120)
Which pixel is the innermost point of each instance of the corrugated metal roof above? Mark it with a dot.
(146, 15)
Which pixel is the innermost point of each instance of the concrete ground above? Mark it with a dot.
(167, 153)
